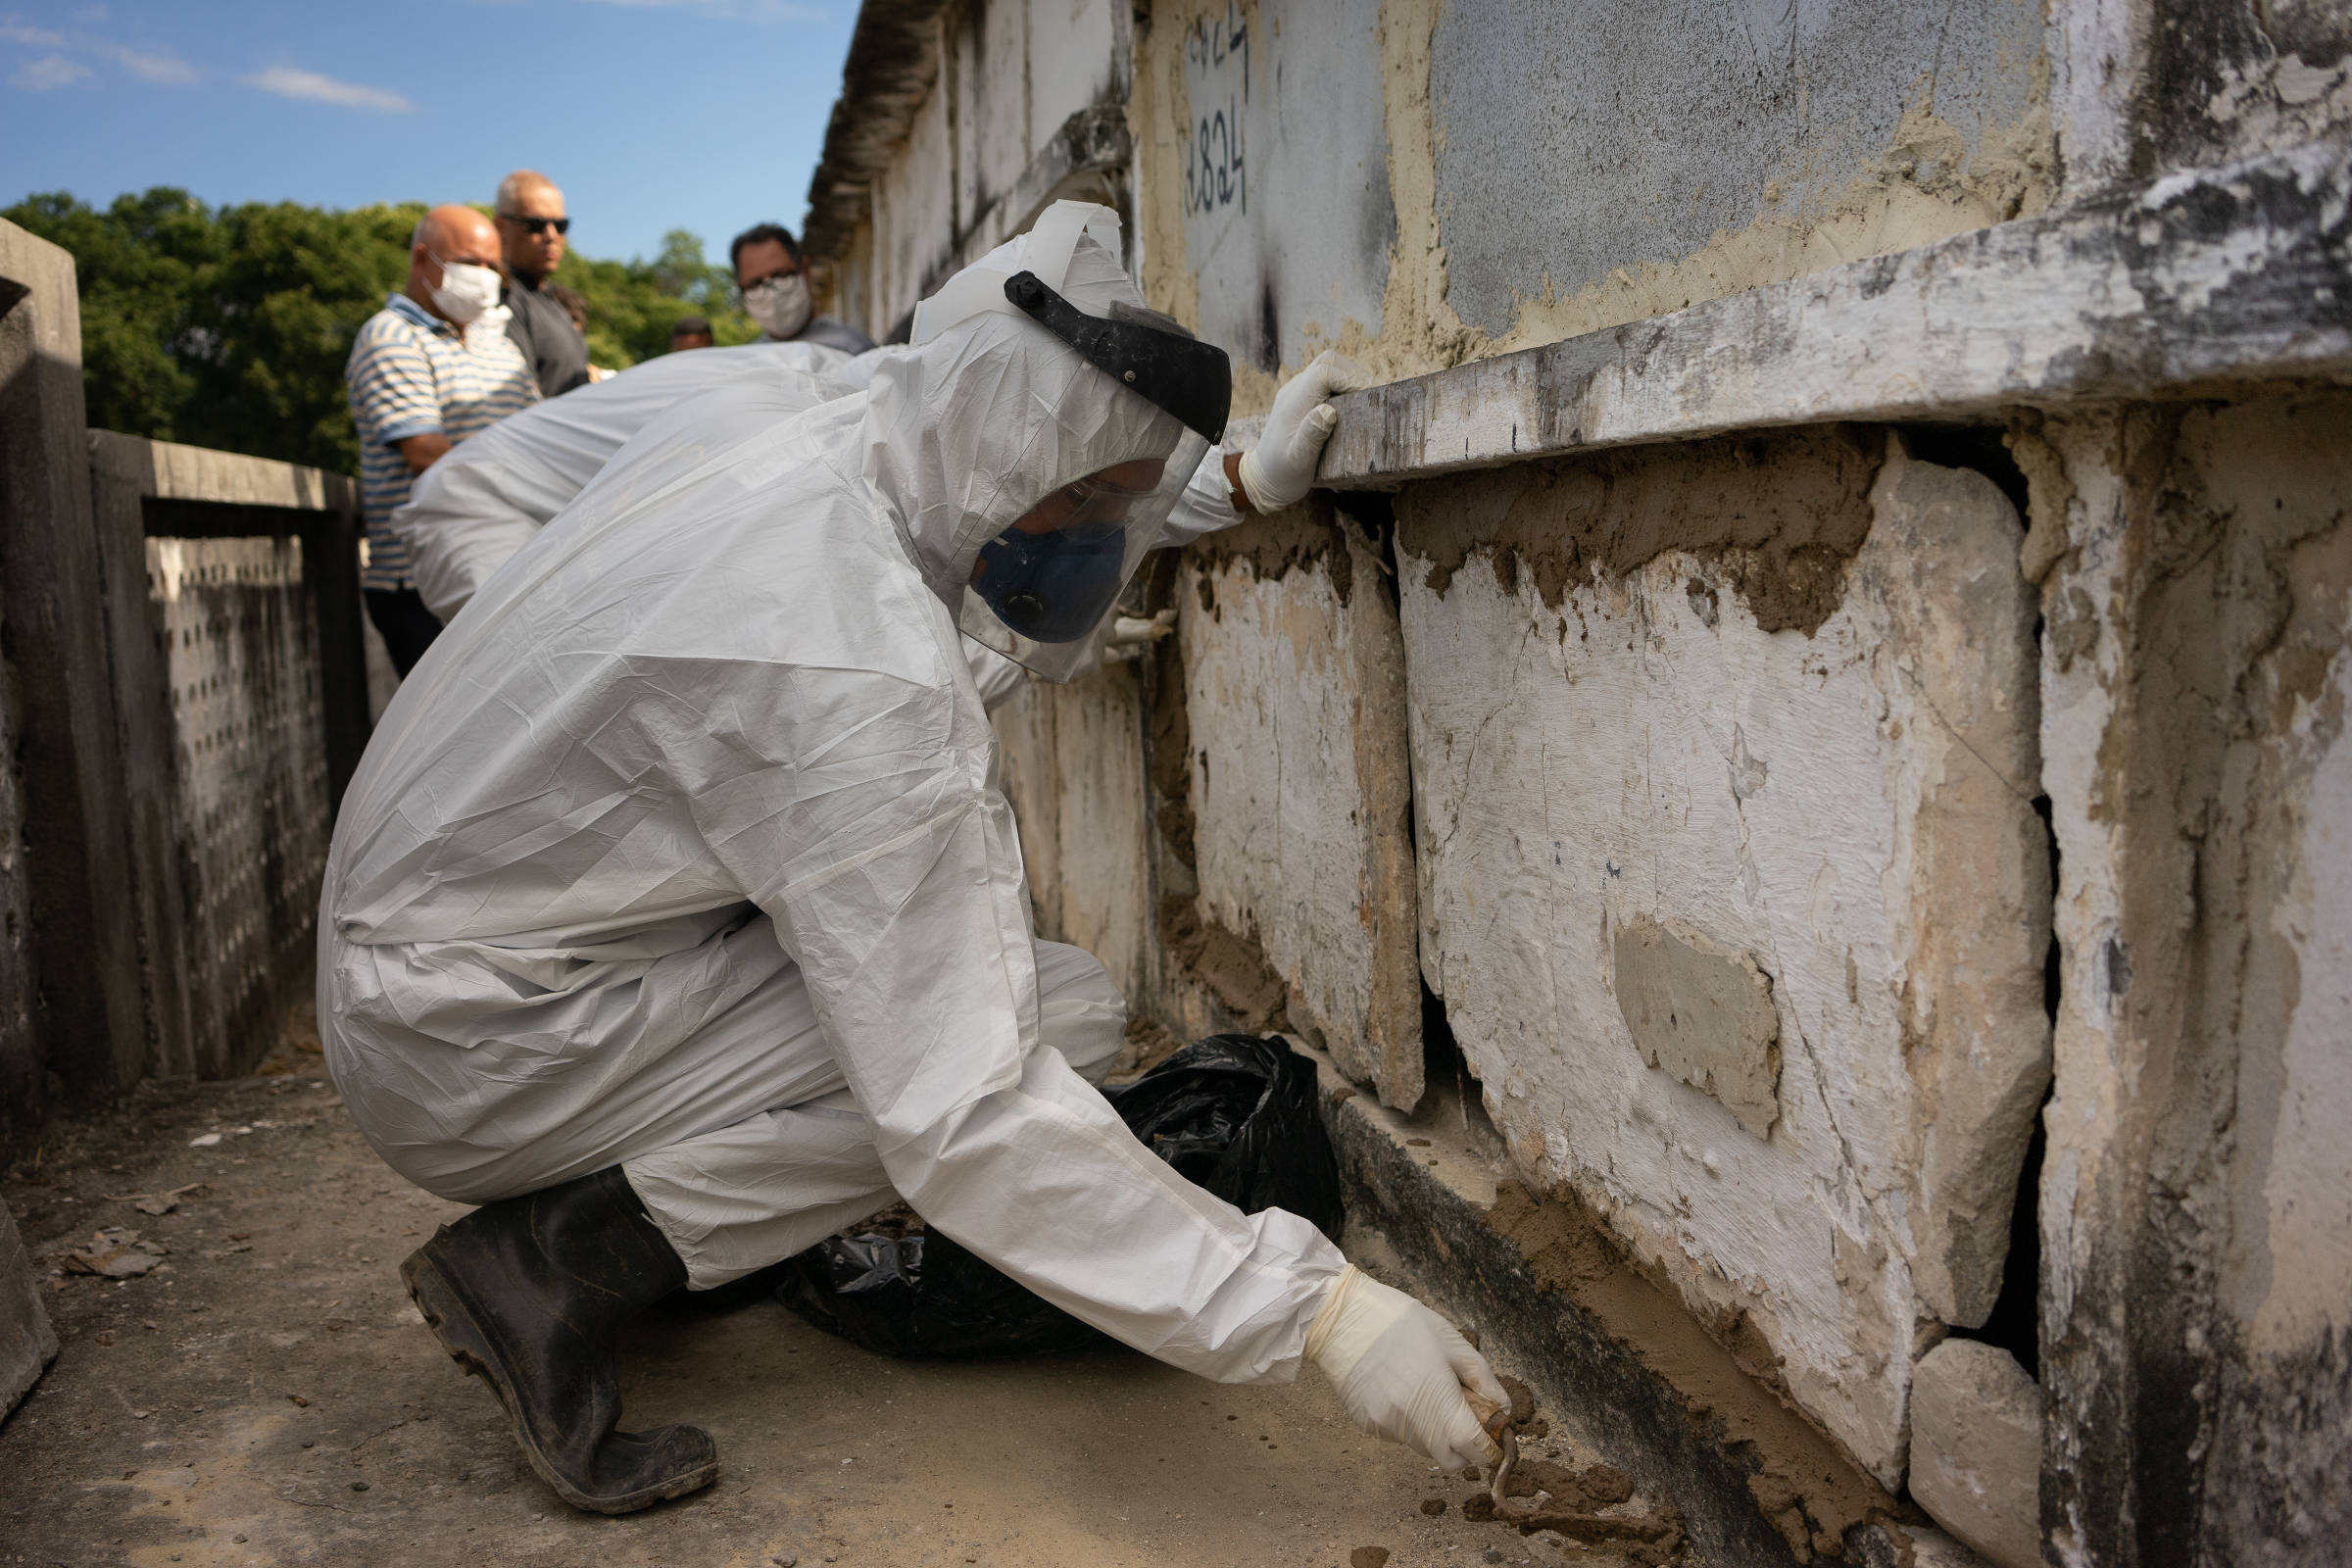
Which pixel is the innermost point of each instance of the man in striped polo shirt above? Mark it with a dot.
(430, 369)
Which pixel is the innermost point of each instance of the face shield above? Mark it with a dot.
(1042, 588)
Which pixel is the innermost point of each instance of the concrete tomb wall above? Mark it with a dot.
(1072, 767)
(1818, 848)
(185, 696)
(251, 804)
(975, 115)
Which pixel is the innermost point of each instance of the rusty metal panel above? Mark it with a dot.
(239, 638)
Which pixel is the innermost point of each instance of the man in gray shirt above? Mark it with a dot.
(775, 281)
(531, 225)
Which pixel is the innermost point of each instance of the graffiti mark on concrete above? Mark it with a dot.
(1216, 59)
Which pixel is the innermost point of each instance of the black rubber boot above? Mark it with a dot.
(527, 1294)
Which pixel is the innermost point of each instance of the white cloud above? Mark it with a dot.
(50, 70)
(150, 64)
(289, 82)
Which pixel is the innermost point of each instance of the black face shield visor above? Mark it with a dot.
(1143, 351)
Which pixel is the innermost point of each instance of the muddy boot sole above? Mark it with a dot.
(453, 1323)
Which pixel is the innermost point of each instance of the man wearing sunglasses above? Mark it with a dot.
(532, 226)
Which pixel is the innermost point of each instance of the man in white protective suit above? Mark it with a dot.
(675, 917)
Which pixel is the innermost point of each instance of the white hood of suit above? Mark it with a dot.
(969, 428)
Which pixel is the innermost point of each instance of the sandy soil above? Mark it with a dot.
(269, 1396)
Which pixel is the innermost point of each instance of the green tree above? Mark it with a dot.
(140, 267)
(230, 326)
(291, 289)
(633, 306)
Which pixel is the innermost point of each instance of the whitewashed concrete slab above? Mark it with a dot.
(1849, 808)
(1294, 692)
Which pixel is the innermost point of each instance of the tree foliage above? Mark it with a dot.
(229, 327)
(632, 305)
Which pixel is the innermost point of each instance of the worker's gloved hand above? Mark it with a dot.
(1403, 1371)
(1278, 471)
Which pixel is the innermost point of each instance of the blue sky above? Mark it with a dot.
(651, 114)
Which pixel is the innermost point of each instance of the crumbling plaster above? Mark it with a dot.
(2148, 87)
(1866, 129)
(2198, 1272)
(1598, 740)
(1975, 1449)
(1299, 790)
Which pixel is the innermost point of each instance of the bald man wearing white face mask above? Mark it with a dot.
(729, 943)
(430, 369)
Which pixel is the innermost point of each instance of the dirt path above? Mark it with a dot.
(269, 1396)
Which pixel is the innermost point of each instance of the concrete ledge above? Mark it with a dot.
(2193, 284)
(169, 472)
(1613, 1361)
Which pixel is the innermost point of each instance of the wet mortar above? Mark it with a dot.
(267, 1395)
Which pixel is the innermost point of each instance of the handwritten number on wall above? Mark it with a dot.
(1216, 175)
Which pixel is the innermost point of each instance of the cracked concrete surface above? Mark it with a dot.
(1830, 793)
(267, 1396)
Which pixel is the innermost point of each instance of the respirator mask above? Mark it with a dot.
(465, 289)
(781, 305)
(1046, 583)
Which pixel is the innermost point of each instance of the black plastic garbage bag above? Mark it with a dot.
(1233, 1113)
(921, 1294)
(1236, 1114)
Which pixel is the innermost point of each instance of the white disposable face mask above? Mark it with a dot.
(779, 304)
(466, 290)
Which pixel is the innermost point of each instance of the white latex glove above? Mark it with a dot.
(1278, 471)
(1403, 1371)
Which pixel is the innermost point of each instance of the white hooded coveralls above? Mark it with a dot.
(474, 510)
(490, 495)
(683, 850)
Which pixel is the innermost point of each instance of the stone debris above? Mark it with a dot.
(1568, 1500)
(1597, 1486)
(1975, 1449)
(1368, 1557)
(116, 1254)
(157, 1204)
